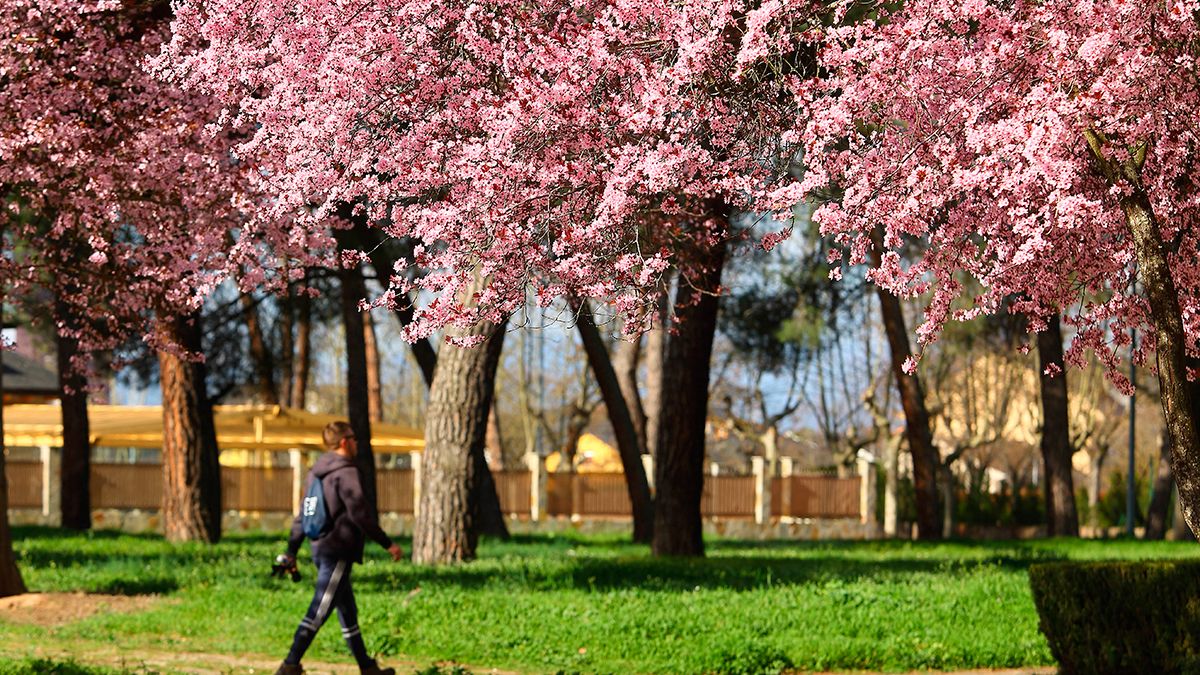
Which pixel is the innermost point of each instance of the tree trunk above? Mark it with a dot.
(679, 460)
(191, 509)
(1095, 484)
(891, 486)
(287, 346)
(374, 386)
(621, 419)
(10, 576)
(455, 428)
(1062, 520)
(358, 397)
(948, 502)
(1177, 397)
(494, 442)
(655, 355)
(912, 399)
(302, 361)
(74, 481)
(384, 262)
(625, 363)
(264, 365)
(1160, 501)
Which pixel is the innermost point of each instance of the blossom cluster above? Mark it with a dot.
(575, 147)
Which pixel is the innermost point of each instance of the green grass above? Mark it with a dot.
(589, 604)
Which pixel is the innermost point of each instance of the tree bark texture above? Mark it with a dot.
(619, 415)
(1177, 396)
(455, 429)
(1160, 500)
(358, 397)
(625, 362)
(264, 364)
(302, 361)
(912, 399)
(374, 385)
(1062, 518)
(75, 480)
(191, 509)
(11, 582)
(679, 460)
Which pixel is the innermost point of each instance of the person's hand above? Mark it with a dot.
(396, 551)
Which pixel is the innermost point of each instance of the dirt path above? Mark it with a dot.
(191, 663)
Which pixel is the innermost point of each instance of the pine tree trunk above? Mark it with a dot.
(264, 364)
(679, 460)
(374, 385)
(655, 355)
(302, 361)
(455, 429)
(636, 484)
(358, 397)
(75, 480)
(1062, 520)
(916, 416)
(625, 362)
(191, 509)
(1177, 396)
(1160, 501)
(10, 576)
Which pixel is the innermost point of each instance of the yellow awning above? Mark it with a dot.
(241, 427)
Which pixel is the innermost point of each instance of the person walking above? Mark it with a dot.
(349, 519)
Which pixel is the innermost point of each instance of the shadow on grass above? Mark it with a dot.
(677, 575)
(139, 564)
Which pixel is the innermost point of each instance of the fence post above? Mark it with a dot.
(866, 490)
(537, 486)
(787, 469)
(762, 490)
(296, 461)
(414, 460)
(51, 459)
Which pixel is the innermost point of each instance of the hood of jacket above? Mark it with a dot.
(329, 462)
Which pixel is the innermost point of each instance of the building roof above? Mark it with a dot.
(243, 427)
(23, 375)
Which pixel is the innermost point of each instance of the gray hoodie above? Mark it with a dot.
(351, 518)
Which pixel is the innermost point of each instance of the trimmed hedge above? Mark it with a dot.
(1120, 617)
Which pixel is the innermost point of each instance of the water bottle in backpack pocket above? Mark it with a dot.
(314, 516)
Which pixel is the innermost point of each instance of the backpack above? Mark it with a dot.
(314, 516)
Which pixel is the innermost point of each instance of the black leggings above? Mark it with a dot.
(333, 592)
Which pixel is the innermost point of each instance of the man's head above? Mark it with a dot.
(339, 438)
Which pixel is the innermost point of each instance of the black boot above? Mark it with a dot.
(289, 669)
(376, 670)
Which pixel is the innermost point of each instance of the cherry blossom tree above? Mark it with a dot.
(1047, 150)
(579, 148)
(117, 199)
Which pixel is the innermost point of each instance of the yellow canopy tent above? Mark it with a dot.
(239, 427)
(592, 455)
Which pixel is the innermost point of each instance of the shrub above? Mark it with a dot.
(1120, 617)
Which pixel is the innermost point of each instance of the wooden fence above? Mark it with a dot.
(275, 489)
